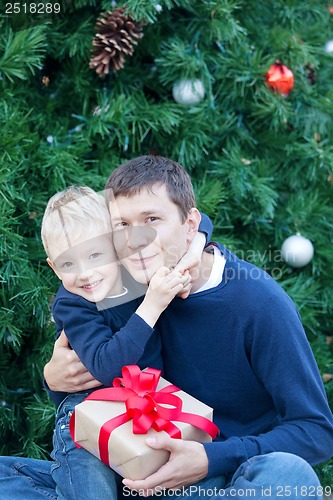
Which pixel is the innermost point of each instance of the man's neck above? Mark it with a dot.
(201, 273)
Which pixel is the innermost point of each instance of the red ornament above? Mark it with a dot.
(280, 78)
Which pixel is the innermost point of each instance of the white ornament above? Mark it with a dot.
(297, 251)
(188, 92)
(329, 47)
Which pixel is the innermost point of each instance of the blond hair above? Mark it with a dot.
(72, 212)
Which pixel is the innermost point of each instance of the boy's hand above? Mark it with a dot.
(164, 286)
(190, 261)
(187, 285)
(65, 372)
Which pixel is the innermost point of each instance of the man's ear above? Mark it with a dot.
(52, 266)
(193, 221)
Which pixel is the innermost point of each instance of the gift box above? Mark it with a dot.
(114, 423)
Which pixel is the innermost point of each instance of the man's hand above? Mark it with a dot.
(188, 464)
(65, 372)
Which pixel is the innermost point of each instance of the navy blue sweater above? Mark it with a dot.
(105, 340)
(240, 347)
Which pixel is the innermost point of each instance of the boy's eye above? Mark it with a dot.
(120, 224)
(151, 219)
(67, 265)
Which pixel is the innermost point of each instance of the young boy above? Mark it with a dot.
(104, 323)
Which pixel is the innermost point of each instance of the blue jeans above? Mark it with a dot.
(272, 476)
(74, 470)
(71, 475)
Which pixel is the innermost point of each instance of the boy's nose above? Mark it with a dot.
(84, 273)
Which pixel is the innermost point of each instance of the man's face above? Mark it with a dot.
(148, 232)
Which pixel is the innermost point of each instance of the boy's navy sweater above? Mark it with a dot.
(240, 348)
(106, 339)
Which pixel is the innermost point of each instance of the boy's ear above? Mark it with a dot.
(193, 221)
(52, 266)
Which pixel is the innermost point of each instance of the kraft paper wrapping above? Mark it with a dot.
(129, 454)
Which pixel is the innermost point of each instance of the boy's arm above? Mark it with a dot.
(193, 255)
(102, 351)
(163, 287)
(206, 227)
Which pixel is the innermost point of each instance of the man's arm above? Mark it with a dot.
(65, 372)
(282, 359)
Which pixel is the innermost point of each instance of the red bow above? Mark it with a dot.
(144, 406)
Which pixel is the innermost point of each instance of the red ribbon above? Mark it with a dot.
(144, 406)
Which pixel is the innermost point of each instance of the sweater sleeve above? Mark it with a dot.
(101, 350)
(206, 227)
(283, 361)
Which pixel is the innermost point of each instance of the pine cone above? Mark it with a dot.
(116, 36)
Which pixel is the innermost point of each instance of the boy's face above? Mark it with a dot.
(88, 267)
(148, 231)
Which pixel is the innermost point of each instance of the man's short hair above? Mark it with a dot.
(144, 172)
(72, 212)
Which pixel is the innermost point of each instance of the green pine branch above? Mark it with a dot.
(23, 52)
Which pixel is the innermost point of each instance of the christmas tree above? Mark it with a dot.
(239, 92)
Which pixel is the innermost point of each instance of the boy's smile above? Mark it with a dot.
(89, 268)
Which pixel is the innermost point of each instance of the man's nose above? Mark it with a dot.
(140, 236)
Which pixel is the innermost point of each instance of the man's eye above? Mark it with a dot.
(151, 219)
(120, 224)
(95, 255)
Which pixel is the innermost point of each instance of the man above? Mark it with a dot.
(236, 343)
